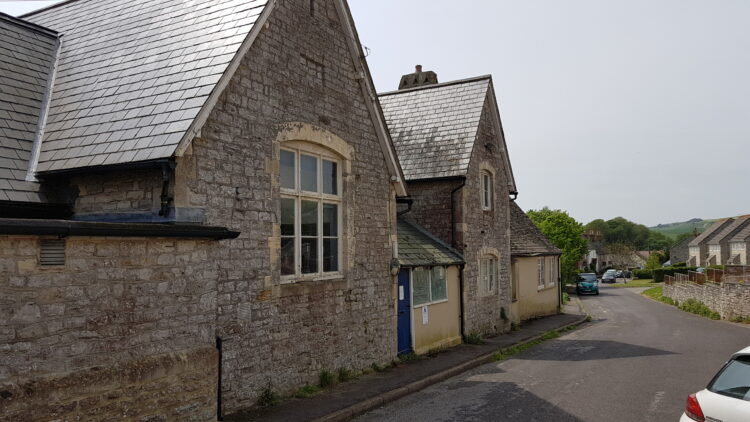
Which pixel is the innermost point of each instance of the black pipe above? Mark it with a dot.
(167, 168)
(453, 213)
(515, 195)
(218, 387)
(405, 200)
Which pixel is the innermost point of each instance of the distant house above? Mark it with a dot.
(698, 250)
(450, 144)
(535, 269)
(738, 247)
(719, 248)
(679, 252)
(429, 291)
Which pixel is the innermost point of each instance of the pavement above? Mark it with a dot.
(347, 400)
(637, 360)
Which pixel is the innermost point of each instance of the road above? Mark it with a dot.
(636, 361)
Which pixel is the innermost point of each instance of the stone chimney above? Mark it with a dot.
(418, 78)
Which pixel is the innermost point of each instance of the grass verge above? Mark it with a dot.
(637, 283)
(691, 305)
(506, 353)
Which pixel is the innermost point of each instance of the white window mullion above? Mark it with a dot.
(297, 237)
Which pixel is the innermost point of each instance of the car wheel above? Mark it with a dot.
(597, 293)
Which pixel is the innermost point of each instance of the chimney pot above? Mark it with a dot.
(418, 78)
(419, 68)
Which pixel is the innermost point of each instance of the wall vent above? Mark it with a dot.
(52, 252)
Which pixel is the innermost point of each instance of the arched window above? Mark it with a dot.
(311, 210)
(488, 273)
(486, 188)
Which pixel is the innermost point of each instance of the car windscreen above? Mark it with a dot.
(587, 277)
(734, 379)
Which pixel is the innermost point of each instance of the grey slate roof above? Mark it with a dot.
(743, 234)
(417, 247)
(730, 230)
(27, 54)
(434, 127)
(133, 75)
(525, 238)
(710, 232)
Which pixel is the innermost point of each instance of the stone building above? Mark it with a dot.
(738, 247)
(198, 203)
(535, 269)
(679, 252)
(450, 143)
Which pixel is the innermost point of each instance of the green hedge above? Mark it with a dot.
(659, 273)
(642, 274)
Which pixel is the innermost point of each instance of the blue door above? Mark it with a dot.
(404, 312)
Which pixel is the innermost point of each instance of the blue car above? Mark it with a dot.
(587, 283)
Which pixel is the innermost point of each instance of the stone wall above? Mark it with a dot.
(730, 298)
(121, 192)
(280, 336)
(173, 387)
(482, 232)
(115, 302)
(432, 207)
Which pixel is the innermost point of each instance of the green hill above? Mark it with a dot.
(675, 229)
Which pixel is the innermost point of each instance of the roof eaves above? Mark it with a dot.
(440, 85)
(28, 25)
(433, 238)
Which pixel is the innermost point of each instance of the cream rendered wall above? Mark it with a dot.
(443, 324)
(532, 302)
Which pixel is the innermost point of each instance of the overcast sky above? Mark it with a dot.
(633, 108)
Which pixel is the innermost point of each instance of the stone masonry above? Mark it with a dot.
(730, 298)
(280, 336)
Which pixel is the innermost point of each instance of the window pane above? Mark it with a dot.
(309, 214)
(439, 284)
(287, 170)
(330, 177)
(330, 220)
(287, 217)
(309, 255)
(308, 167)
(330, 255)
(287, 255)
(421, 285)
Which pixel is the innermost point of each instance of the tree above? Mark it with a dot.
(654, 261)
(565, 233)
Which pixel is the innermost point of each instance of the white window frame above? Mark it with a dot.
(737, 246)
(540, 273)
(552, 272)
(429, 279)
(321, 198)
(486, 189)
(488, 273)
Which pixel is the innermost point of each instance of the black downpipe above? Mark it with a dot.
(453, 213)
(408, 201)
(218, 387)
(167, 169)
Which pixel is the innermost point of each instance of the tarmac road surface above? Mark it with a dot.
(637, 361)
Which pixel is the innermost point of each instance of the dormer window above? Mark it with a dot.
(486, 190)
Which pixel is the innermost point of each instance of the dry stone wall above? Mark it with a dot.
(730, 298)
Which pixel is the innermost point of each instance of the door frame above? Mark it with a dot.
(410, 310)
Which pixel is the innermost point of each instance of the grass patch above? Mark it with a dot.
(346, 374)
(408, 357)
(637, 283)
(741, 319)
(566, 298)
(268, 398)
(699, 308)
(326, 379)
(307, 391)
(474, 338)
(377, 368)
(504, 354)
(656, 293)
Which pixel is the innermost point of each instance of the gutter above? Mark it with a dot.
(64, 228)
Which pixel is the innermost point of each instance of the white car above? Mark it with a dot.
(727, 397)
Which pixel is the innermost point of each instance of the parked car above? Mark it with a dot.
(700, 270)
(727, 397)
(619, 274)
(610, 276)
(587, 283)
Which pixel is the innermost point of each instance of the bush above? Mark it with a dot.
(327, 379)
(699, 308)
(642, 274)
(659, 273)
